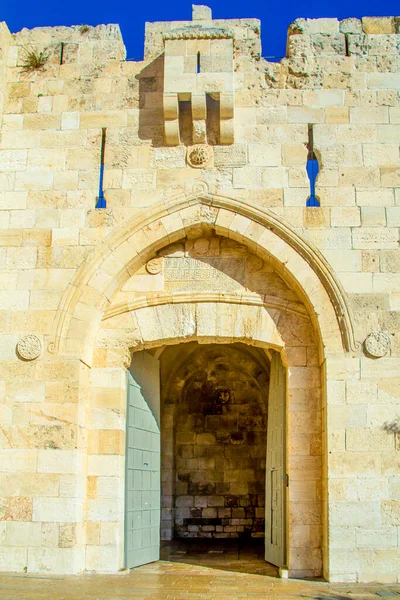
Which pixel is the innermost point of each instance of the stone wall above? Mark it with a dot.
(64, 264)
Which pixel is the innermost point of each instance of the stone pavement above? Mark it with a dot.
(175, 581)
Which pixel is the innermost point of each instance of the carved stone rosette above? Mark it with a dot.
(198, 156)
(29, 347)
(154, 266)
(377, 344)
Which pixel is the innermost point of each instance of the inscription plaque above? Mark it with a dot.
(216, 274)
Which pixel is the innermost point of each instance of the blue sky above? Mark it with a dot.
(131, 15)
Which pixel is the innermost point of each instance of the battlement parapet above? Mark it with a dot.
(80, 44)
(369, 36)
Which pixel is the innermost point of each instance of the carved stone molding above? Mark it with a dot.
(29, 347)
(154, 266)
(198, 156)
(201, 246)
(254, 263)
(377, 344)
(198, 33)
(201, 206)
(200, 187)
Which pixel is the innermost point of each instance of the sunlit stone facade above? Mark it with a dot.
(207, 257)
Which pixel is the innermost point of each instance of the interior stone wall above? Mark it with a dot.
(218, 398)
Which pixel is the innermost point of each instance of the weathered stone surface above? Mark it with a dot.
(206, 239)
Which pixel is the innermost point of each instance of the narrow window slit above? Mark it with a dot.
(101, 201)
(346, 44)
(62, 53)
(312, 168)
(198, 62)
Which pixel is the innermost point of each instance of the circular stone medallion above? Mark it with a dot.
(201, 245)
(377, 344)
(198, 156)
(29, 347)
(154, 266)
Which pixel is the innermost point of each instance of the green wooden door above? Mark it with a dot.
(275, 485)
(142, 471)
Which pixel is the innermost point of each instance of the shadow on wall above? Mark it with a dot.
(151, 111)
(151, 114)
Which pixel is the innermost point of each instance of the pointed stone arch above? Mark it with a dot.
(118, 256)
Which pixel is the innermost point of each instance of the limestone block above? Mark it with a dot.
(388, 133)
(271, 114)
(293, 154)
(381, 154)
(342, 537)
(201, 12)
(105, 510)
(268, 155)
(247, 177)
(337, 114)
(372, 216)
(70, 120)
(352, 134)
(383, 81)
(175, 47)
(369, 114)
(138, 179)
(173, 65)
(393, 216)
(275, 177)
(13, 160)
(344, 260)
(102, 465)
(60, 461)
(304, 114)
(46, 159)
(34, 180)
(370, 238)
(55, 560)
(350, 25)
(313, 26)
(13, 559)
(390, 513)
(57, 509)
(378, 25)
(390, 177)
(23, 534)
(103, 559)
(345, 216)
(65, 236)
(230, 156)
(367, 440)
(374, 197)
(359, 176)
(227, 132)
(394, 114)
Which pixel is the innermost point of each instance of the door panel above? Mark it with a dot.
(142, 498)
(275, 485)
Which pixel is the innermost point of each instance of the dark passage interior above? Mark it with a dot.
(213, 440)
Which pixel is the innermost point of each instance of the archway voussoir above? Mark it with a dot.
(223, 222)
(291, 256)
(239, 225)
(206, 316)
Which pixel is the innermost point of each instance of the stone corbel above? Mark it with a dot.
(199, 115)
(171, 119)
(226, 118)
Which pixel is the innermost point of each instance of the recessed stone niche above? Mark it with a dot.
(214, 421)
